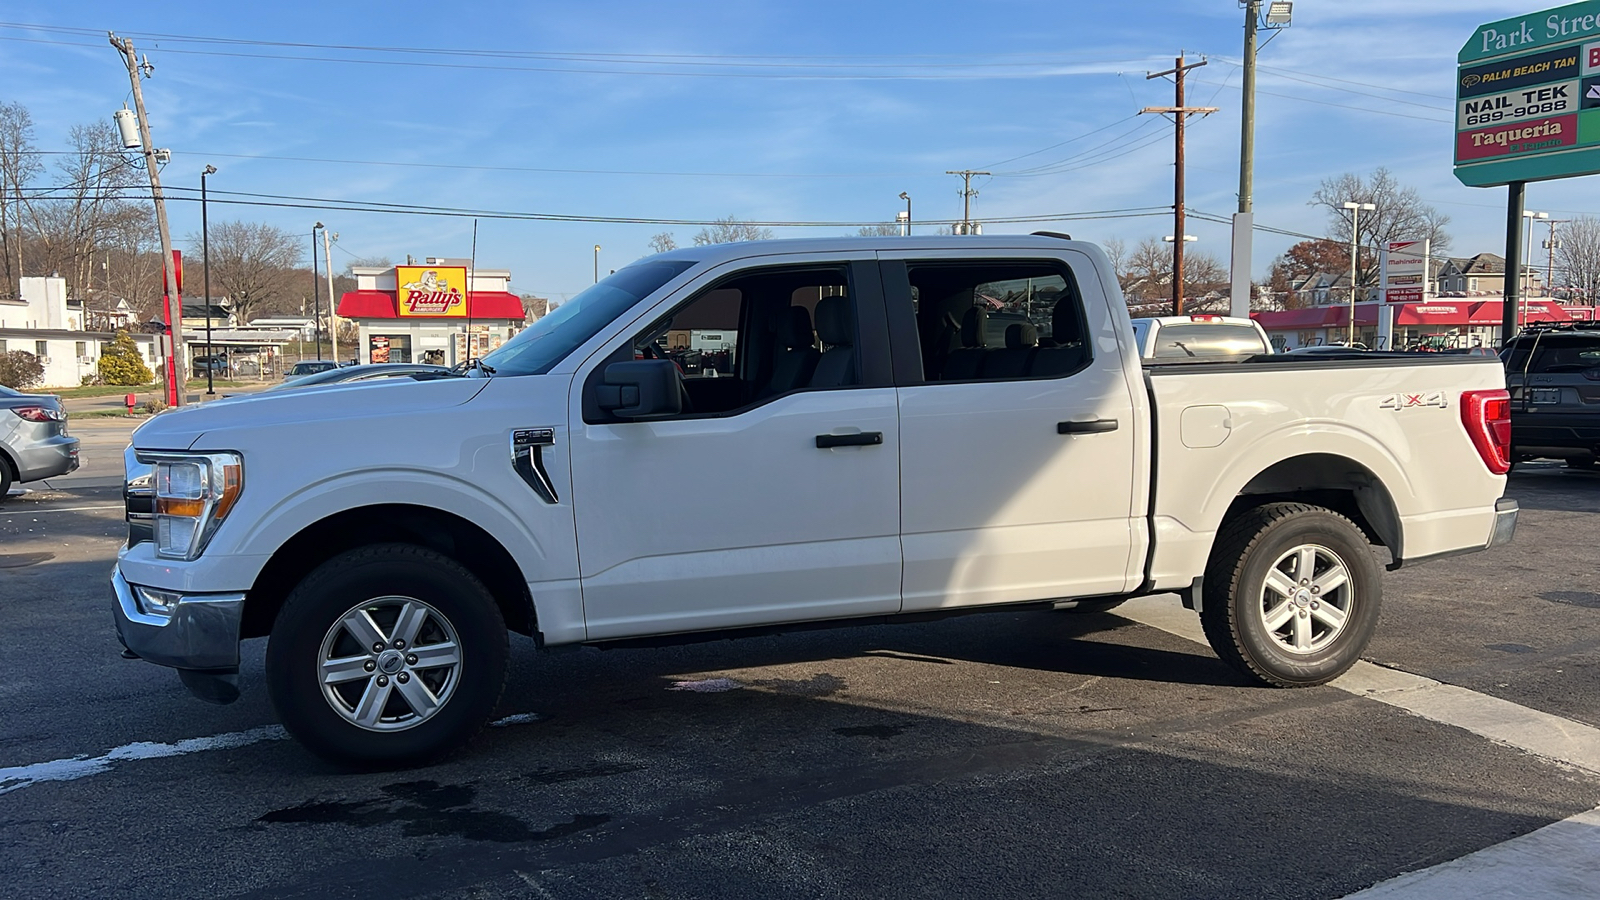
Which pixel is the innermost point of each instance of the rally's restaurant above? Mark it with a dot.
(442, 312)
(1445, 323)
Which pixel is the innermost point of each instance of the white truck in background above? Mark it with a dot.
(870, 457)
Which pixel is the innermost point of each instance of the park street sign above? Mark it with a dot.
(1528, 98)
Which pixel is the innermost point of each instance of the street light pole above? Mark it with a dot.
(596, 263)
(907, 198)
(1355, 243)
(316, 291)
(1527, 286)
(205, 262)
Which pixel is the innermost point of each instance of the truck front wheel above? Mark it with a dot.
(1291, 594)
(387, 655)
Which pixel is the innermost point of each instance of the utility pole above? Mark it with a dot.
(316, 290)
(967, 193)
(1244, 220)
(1551, 246)
(175, 372)
(333, 315)
(1180, 114)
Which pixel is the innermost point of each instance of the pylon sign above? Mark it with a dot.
(1528, 98)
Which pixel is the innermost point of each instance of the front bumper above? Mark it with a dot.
(201, 634)
(1505, 522)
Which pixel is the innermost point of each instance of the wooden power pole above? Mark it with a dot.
(967, 193)
(176, 366)
(1179, 113)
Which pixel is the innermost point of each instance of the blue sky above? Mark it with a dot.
(889, 96)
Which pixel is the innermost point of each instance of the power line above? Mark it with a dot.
(1063, 143)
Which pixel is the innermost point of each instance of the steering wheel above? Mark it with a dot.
(651, 351)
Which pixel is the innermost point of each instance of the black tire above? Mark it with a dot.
(1586, 463)
(389, 576)
(6, 478)
(1238, 603)
(1094, 606)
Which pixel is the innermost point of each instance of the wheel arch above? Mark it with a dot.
(1332, 481)
(450, 534)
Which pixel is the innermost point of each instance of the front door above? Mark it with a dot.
(1017, 432)
(774, 497)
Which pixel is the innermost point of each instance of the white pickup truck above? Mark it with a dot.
(873, 451)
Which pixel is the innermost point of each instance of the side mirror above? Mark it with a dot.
(641, 389)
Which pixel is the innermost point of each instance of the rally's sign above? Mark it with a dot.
(1528, 98)
(432, 291)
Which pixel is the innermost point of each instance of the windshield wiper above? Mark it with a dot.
(476, 363)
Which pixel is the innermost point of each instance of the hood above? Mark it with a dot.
(179, 429)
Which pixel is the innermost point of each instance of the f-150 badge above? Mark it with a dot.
(1413, 401)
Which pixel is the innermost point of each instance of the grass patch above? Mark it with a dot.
(117, 390)
(106, 414)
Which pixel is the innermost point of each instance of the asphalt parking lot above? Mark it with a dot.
(1014, 754)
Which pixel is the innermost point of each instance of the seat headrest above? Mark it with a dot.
(974, 327)
(1021, 336)
(1064, 322)
(794, 329)
(836, 322)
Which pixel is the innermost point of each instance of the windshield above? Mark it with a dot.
(536, 349)
(1183, 341)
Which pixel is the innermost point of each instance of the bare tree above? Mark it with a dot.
(1147, 279)
(70, 223)
(253, 264)
(19, 165)
(1579, 255)
(1400, 215)
(729, 230)
(663, 242)
(886, 229)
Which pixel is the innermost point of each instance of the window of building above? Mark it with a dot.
(41, 348)
(81, 348)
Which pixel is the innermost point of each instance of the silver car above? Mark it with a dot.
(33, 439)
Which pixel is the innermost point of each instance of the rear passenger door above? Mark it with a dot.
(1017, 461)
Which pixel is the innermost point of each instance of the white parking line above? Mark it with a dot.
(1559, 860)
(18, 777)
(34, 512)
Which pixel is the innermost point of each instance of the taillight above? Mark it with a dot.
(39, 413)
(1487, 417)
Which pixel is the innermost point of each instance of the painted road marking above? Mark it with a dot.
(30, 512)
(1558, 860)
(18, 777)
(1502, 721)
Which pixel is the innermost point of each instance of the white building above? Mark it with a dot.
(49, 326)
(442, 311)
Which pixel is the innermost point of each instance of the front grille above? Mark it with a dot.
(139, 498)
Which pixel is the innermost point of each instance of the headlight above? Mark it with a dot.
(194, 492)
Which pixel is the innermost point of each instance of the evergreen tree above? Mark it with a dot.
(122, 364)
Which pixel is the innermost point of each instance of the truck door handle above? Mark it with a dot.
(862, 439)
(1097, 426)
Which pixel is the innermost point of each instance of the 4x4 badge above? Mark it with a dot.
(527, 458)
(1414, 401)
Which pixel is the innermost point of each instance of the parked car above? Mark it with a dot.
(1554, 379)
(309, 367)
(217, 364)
(386, 555)
(34, 444)
(1199, 336)
(369, 372)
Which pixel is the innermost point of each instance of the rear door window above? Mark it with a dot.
(1567, 354)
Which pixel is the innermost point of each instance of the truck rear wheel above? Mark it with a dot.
(1291, 594)
(387, 655)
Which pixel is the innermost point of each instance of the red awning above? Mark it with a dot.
(1435, 313)
(1286, 319)
(382, 305)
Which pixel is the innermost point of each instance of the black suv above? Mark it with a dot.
(1554, 379)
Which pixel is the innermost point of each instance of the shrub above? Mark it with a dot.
(20, 369)
(122, 364)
